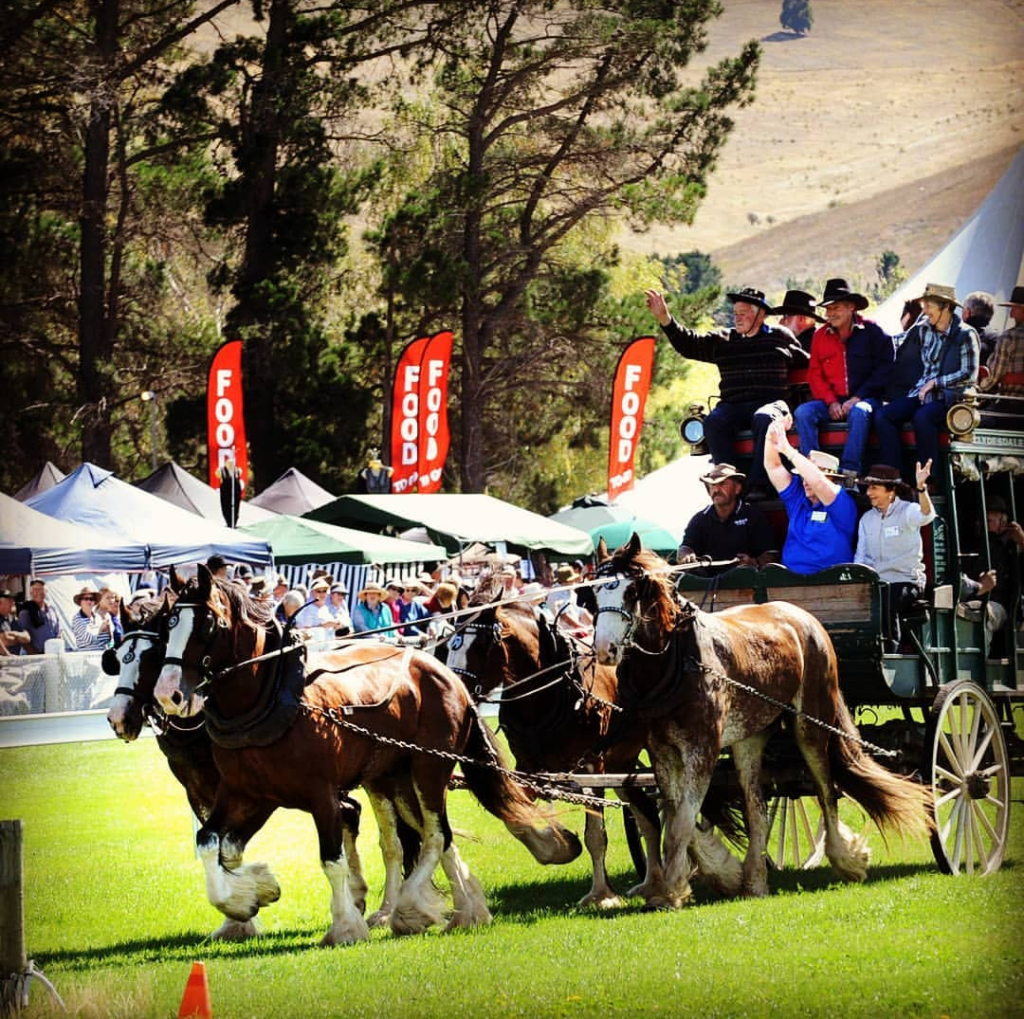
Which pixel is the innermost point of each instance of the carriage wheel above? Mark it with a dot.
(798, 831)
(969, 773)
(635, 842)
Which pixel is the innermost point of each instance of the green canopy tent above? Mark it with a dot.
(457, 520)
(297, 540)
(615, 524)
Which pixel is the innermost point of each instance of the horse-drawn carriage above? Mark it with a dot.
(942, 710)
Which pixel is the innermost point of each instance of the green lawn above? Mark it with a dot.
(116, 912)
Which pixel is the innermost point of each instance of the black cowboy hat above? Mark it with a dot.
(748, 295)
(1016, 297)
(839, 290)
(798, 302)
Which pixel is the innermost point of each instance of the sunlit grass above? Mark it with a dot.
(116, 912)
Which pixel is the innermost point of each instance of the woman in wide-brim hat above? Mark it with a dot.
(93, 629)
(371, 612)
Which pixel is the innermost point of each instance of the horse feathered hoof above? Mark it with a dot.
(235, 930)
(267, 888)
(607, 900)
(346, 933)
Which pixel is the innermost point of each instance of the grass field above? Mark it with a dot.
(116, 913)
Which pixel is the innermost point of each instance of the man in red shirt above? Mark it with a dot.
(850, 359)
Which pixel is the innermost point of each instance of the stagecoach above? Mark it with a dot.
(945, 710)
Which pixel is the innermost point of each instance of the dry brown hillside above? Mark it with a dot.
(883, 128)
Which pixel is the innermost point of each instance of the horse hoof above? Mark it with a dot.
(607, 901)
(235, 930)
(379, 919)
(345, 934)
(463, 918)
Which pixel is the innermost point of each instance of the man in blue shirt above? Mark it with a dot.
(38, 618)
(822, 515)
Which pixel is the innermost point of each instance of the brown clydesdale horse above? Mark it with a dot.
(288, 733)
(677, 669)
(559, 712)
(137, 660)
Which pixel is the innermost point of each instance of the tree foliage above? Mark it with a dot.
(797, 16)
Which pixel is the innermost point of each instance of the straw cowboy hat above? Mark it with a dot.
(566, 574)
(533, 592)
(748, 295)
(321, 583)
(798, 302)
(826, 463)
(1016, 297)
(373, 588)
(722, 472)
(839, 290)
(90, 589)
(939, 292)
(446, 593)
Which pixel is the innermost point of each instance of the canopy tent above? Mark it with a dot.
(32, 542)
(296, 540)
(45, 478)
(456, 520)
(174, 484)
(292, 493)
(615, 523)
(671, 494)
(986, 254)
(94, 497)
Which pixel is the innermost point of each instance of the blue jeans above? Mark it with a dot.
(723, 423)
(928, 419)
(809, 415)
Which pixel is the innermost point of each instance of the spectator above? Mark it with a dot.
(730, 528)
(258, 590)
(93, 623)
(217, 565)
(568, 613)
(39, 618)
(753, 361)
(850, 358)
(337, 606)
(316, 614)
(889, 540)
(801, 318)
(822, 515)
(443, 598)
(979, 307)
(1005, 541)
(949, 359)
(13, 641)
(370, 613)
(415, 612)
(290, 605)
(243, 576)
(1006, 368)
(109, 603)
(908, 316)
(280, 588)
(395, 598)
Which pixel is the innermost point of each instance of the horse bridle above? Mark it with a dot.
(613, 580)
(111, 664)
(211, 624)
(455, 642)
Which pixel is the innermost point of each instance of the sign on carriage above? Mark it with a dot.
(225, 425)
(629, 396)
(435, 437)
(405, 418)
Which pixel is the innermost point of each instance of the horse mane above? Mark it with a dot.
(489, 588)
(653, 582)
(243, 608)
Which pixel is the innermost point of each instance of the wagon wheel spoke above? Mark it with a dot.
(799, 841)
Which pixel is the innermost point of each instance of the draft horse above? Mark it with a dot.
(678, 669)
(390, 719)
(137, 660)
(559, 712)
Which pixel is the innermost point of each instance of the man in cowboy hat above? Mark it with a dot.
(730, 528)
(1006, 368)
(949, 366)
(850, 358)
(800, 317)
(753, 361)
(822, 515)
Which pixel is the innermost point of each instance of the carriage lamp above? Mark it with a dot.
(962, 418)
(691, 428)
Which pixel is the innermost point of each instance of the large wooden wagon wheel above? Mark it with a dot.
(796, 833)
(968, 768)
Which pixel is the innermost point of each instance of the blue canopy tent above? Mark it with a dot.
(32, 542)
(94, 497)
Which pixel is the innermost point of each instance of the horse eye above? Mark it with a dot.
(455, 643)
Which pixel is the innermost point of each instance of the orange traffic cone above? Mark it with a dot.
(196, 999)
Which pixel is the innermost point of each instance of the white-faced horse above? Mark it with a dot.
(681, 667)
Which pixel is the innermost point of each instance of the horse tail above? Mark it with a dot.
(894, 802)
(506, 799)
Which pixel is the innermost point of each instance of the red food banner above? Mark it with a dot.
(225, 425)
(433, 428)
(405, 418)
(629, 396)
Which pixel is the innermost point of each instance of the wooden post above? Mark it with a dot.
(13, 960)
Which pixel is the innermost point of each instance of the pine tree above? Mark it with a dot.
(797, 16)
